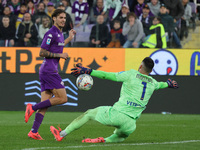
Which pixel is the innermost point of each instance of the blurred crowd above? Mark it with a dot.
(114, 23)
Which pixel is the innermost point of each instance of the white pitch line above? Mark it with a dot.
(103, 145)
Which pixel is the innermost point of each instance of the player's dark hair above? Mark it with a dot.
(56, 13)
(149, 64)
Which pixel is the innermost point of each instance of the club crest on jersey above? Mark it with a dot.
(48, 41)
(58, 35)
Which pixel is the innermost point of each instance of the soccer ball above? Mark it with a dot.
(84, 82)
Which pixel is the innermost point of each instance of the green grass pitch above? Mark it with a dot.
(154, 132)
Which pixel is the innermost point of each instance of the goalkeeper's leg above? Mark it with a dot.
(80, 121)
(121, 133)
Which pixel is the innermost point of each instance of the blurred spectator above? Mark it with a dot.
(146, 19)
(91, 3)
(50, 9)
(122, 18)
(27, 34)
(55, 2)
(40, 13)
(167, 21)
(157, 38)
(154, 6)
(97, 10)
(1, 8)
(7, 12)
(36, 2)
(176, 9)
(80, 11)
(43, 28)
(68, 8)
(138, 7)
(169, 25)
(99, 33)
(20, 16)
(185, 19)
(4, 3)
(15, 6)
(115, 7)
(115, 34)
(31, 7)
(68, 23)
(134, 30)
(7, 32)
(132, 4)
(45, 3)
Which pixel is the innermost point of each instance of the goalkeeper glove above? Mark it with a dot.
(78, 70)
(172, 83)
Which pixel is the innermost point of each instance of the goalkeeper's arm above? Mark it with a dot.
(104, 75)
(169, 84)
(162, 85)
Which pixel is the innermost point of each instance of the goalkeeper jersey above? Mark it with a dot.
(135, 92)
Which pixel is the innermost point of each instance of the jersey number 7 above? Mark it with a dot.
(144, 90)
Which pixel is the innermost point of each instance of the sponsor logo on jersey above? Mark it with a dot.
(133, 104)
(61, 44)
(48, 41)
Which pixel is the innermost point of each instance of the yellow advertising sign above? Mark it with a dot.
(27, 60)
(167, 61)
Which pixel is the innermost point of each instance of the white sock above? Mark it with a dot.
(63, 133)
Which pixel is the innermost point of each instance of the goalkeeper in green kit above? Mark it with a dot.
(136, 91)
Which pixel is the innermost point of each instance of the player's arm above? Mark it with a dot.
(48, 54)
(96, 73)
(168, 84)
(72, 33)
(104, 75)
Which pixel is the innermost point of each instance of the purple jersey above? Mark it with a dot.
(138, 9)
(53, 41)
(80, 9)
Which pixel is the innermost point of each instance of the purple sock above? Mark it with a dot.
(40, 105)
(37, 122)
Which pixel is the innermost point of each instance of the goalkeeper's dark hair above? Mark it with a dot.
(56, 13)
(149, 64)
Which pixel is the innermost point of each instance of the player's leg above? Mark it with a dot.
(60, 98)
(39, 117)
(75, 124)
(125, 125)
(121, 133)
(54, 84)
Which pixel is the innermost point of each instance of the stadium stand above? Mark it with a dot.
(83, 31)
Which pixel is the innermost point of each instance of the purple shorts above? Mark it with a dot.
(50, 81)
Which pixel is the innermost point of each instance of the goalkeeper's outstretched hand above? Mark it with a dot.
(172, 83)
(79, 69)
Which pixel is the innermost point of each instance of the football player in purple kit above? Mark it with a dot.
(51, 82)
